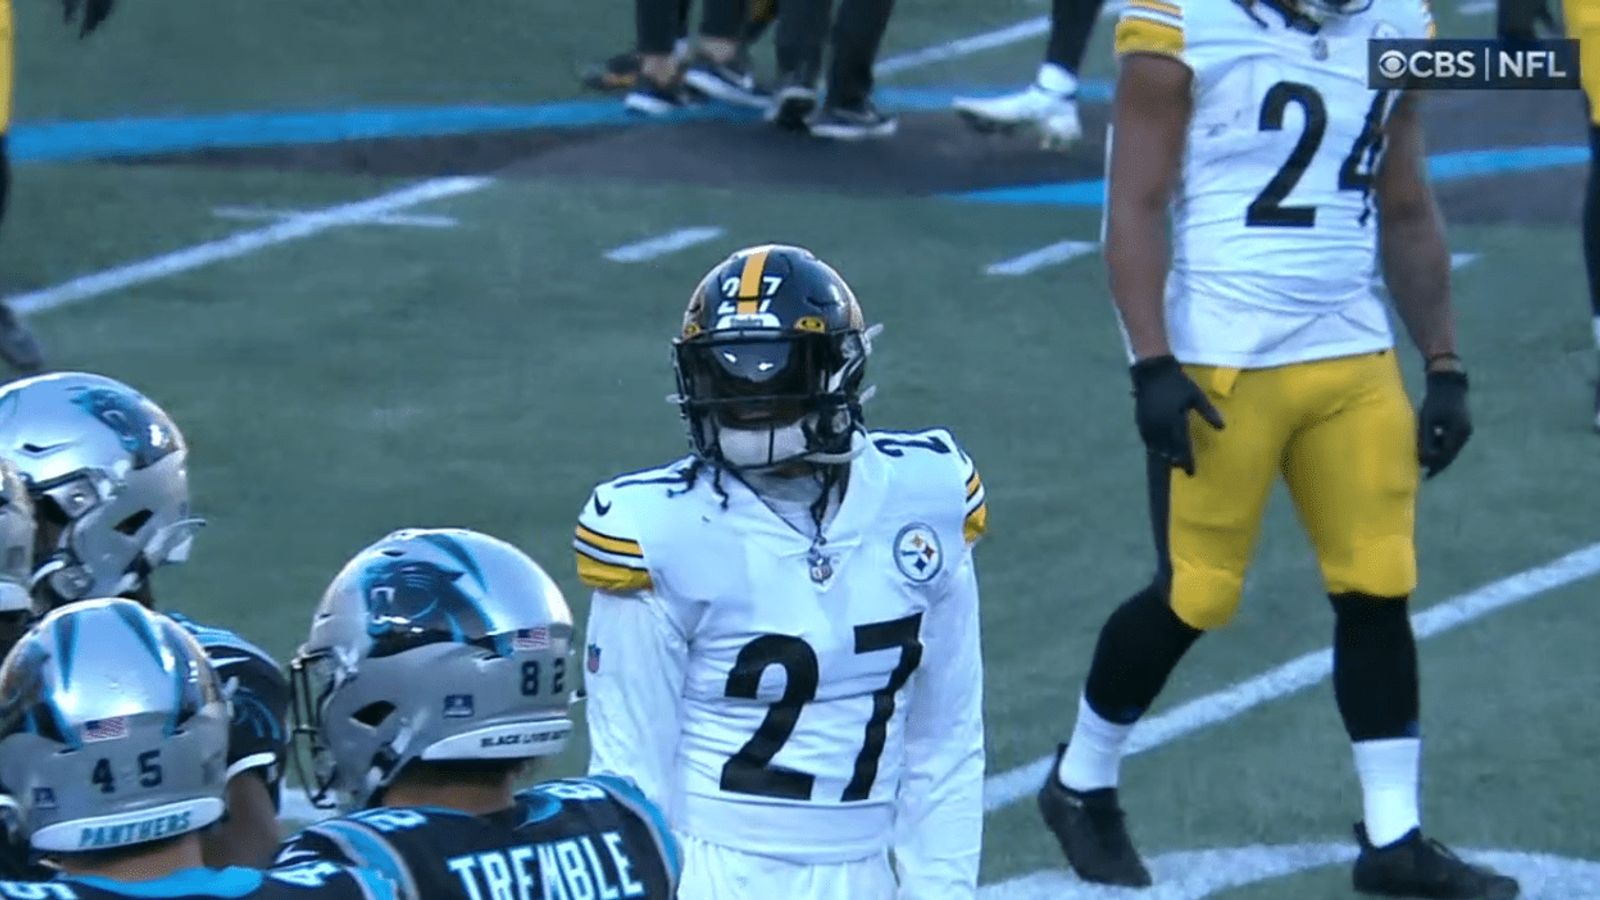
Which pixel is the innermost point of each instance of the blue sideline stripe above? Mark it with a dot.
(125, 137)
(1442, 168)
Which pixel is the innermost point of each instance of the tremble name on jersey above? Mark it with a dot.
(587, 866)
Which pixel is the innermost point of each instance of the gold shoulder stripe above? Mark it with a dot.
(1139, 35)
(977, 523)
(619, 546)
(974, 485)
(1160, 6)
(609, 577)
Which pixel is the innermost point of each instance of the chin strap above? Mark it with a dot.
(858, 445)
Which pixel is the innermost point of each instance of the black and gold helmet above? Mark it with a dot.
(770, 361)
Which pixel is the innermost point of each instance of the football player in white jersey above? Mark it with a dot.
(1288, 181)
(783, 644)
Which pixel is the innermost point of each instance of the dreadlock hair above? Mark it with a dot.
(691, 476)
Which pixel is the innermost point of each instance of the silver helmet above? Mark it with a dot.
(107, 469)
(16, 541)
(113, 729)
(432, 644)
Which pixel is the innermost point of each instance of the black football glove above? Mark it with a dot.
(1444, 424)
(94, 12)
(1163, 396)
(1519, 20)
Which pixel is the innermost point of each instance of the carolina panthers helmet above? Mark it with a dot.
(107, 470)
(770, 361)
(16, 541)
(113, 729)
(434, 645)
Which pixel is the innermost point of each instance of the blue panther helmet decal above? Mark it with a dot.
(143, 429)
(413, 601)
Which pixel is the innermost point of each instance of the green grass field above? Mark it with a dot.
(368, 377)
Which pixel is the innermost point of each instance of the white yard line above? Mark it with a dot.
(273, 214)
(948, 50)
(1034, 260)
(662, 244)
(1302, 672)
(242, 244)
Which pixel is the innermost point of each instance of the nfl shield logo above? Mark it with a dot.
(594, 658)
(44, 798)
(458, 706)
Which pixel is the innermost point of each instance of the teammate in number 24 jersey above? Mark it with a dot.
(783, 645)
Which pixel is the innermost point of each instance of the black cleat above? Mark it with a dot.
(1415, 866)
(1089, 827)
(853, 123)
(18, 346)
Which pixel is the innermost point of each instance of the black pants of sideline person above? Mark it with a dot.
(856, 33)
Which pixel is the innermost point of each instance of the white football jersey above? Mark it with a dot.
(786, 698)
(1274, 232)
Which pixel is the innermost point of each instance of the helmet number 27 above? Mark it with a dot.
(1356, 173)
(749, 771)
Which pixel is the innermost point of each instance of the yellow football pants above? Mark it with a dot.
(7, 62)
(1342, 434)
(1583, 22)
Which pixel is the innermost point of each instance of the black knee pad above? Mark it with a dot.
(1375, 666)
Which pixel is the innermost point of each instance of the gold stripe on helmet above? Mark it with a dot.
(750, 282)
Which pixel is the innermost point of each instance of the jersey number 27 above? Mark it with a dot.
(1355, 174)
(749, 771)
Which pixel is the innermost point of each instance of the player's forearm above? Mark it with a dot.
(1416, 267)
(635, 685)
(941, 830)
(1136, 254)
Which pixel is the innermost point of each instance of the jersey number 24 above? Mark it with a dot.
(749, 771)
(1355, 174)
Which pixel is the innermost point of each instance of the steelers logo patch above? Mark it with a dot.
(917, 553)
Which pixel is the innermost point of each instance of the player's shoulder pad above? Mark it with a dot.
(367, 884)
(627, 795)
(357, 841)
(609, 539)
(938, 449)
(1152, 26)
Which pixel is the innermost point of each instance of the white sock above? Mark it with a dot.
(1094, 754)
(1597, 331)
(1388, 771)
(1057, 80)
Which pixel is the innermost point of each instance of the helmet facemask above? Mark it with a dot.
(765, 398)
(1324, 10)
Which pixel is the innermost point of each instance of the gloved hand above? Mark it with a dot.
(1443, 424)
(1518, 20)
(1163, 396)
(94, 12)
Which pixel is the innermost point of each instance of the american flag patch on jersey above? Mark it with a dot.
(531, 639)
(110, 729)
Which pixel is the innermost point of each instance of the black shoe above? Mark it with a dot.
(649, 98)
(1415, 866)
(1089, 826)
(793, 102)
(617, 74)
(730, 82)
(853, 123)
(18, 346)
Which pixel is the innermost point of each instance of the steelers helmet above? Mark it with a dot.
(771, 360)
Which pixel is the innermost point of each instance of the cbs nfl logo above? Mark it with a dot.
(1473, 65)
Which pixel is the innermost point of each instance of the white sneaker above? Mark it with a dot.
(1054, 116)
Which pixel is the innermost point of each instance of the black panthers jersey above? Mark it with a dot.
(579, 837)
(257, 740)
(313, 881)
